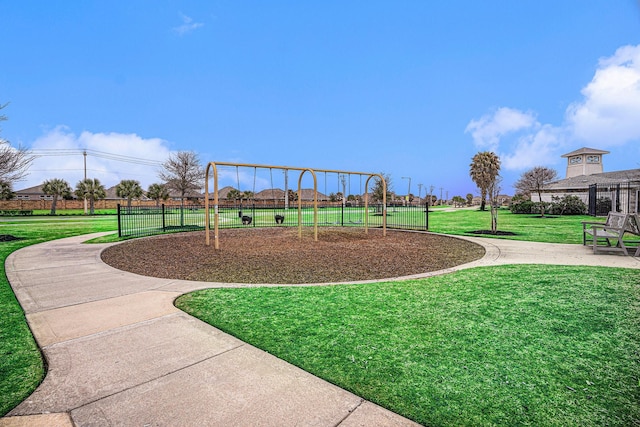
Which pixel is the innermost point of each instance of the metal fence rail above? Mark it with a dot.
(615, 197)
(138, 221)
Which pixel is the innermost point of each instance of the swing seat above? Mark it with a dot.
(246, 220)
(279, 219)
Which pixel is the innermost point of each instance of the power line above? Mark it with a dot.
(95, 153)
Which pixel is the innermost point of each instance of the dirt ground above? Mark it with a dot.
(277, 255)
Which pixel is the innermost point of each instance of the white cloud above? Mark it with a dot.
(488, 130)
(516, 137)
(534, 149)
(609, 114)
(187, 25)
(111, 157)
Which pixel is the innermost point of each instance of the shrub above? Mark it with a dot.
(568, 205)
(522, 207)
(603, 205)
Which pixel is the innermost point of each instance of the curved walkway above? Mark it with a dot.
(120, 353)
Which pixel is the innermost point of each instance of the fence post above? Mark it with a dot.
(119, 222)
(164, 227)
(426, 216)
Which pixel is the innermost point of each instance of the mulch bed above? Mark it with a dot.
(276, 255)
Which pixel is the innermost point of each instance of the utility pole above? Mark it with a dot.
(84, 153)
(441, 195)
(419, 192)
(409, 190)
(344, 190)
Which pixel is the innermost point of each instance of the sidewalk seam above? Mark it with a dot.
(240, 345)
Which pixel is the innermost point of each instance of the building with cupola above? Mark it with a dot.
(601, 191)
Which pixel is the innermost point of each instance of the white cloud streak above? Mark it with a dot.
(187, 25)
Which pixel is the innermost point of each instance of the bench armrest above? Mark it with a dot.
(592, 223)
(607, 227)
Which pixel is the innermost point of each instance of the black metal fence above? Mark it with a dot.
(618, 197)
(143, 221)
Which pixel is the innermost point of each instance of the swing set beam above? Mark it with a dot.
(212, 167)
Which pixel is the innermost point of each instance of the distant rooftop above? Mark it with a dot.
(583, 181)
(585, 150)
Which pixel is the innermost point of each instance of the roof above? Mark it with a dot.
(585, 150)
(31, 190)
(583, 181)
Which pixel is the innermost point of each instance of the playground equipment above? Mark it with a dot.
(212, 167)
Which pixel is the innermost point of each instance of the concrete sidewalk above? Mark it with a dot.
(119, 352)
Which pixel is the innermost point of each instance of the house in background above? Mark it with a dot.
(601, 191)
(32, 193)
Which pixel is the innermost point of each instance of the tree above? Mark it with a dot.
(56, 187)
(458, 201)
(377, 190)
(129, 189)
(234, 194)
(535, 180)
(484, 169)
(14, 162)
(158, 192)
(92, 189)
(6, 190)
(494, 190)
(183, 173)
(469, 199)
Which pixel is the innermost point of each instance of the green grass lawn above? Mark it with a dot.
(512, 345)
(550, 229)
(21, 364)
(509, 345)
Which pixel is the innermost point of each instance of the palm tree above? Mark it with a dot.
(484, 169)
(158, 192)
(56, 187)
(92, 190)
(129, 189)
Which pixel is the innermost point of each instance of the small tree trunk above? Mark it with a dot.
(182, 211)
(494, 219)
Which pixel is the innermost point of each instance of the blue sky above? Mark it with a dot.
(409, 88)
